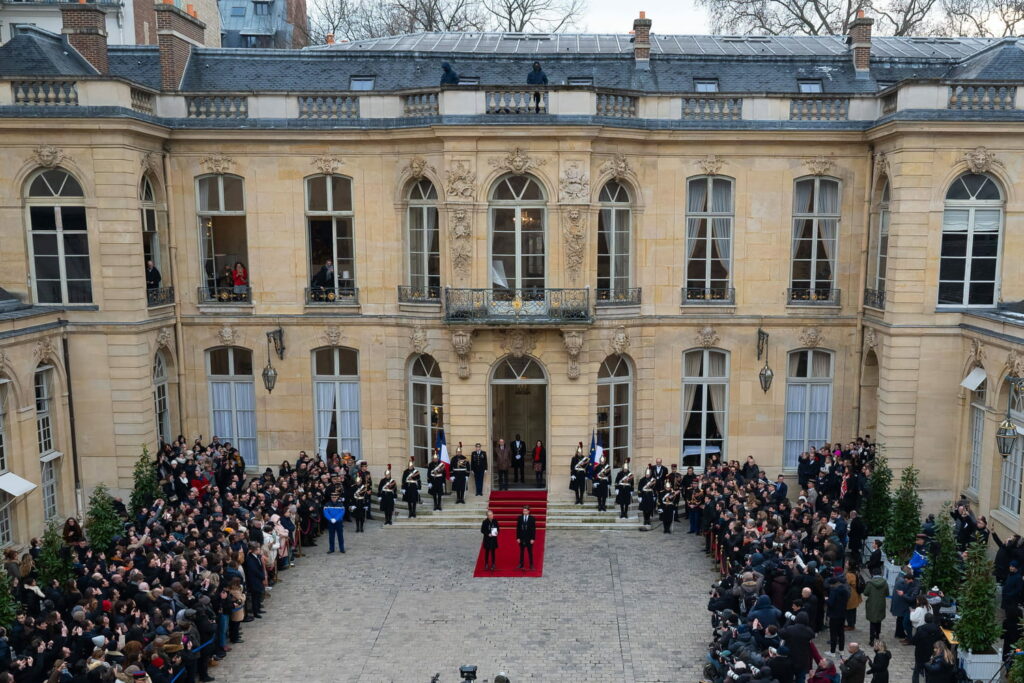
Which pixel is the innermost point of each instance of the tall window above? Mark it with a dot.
(613, 242)
(1013, 466)
(977, 436)
(971, 223)
(709, 218)
(705, 404)
(233, 399)
(424, 247)
(426, 406)
(517, 235)
(3, 424)
(808, 403)
(615, 408)
(815, 232)
(51, 485)
(160, 404)
(880, 244)
(58, 239)
(220, 201)
(329, 216)
(336, 388)
(48, 456)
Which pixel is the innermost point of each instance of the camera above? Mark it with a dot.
(467, 672)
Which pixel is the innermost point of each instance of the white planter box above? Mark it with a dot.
(980, 667)
(892, 572)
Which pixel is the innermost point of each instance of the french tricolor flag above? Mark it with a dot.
(442, 449)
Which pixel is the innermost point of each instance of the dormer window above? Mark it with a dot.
(238, 11)
(809, 87)
(261, 9)
(705, 85)
(361, 83)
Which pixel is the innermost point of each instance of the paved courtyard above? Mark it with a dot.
(402, 605)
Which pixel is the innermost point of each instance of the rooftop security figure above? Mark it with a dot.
(449, 77)
(536, 77)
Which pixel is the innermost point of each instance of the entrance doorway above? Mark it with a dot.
(519, 405)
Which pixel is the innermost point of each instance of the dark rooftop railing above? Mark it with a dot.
(533, 305)
(874, 298)
(159, 296)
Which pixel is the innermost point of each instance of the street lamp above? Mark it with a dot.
(766, 375)
(269, 373)
(1006, 435)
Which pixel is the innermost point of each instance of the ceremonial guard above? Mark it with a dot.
(364, 472)
(674, 481)
(387, 493)
(624, 490)
(411, 487)
(648, 496)
(669, 501)
(489, 529)
(359, 502)
(578, 474)
(460, 473)
(602, 480)
(478, 463)
(436, 477)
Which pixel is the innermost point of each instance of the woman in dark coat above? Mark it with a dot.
(941, 668)
(489, 529)
(879, 668)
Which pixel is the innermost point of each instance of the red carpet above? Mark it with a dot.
(507, 506)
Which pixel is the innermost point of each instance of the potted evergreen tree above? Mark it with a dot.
(1016, 671)
(943, 568)
(904, 525)
(877, 502)
(146, 488)
(102, 523)
(54, 563)
(8, 605)
(978, 629)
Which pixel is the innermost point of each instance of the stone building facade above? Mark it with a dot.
(627, 253)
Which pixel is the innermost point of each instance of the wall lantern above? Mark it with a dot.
(1007, 435)
(766, 375)
(269, 373)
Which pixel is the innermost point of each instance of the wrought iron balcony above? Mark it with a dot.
(159, 296)
(225, 295)
(620, 296)
(408, 294)
(504, 306)
(332, 296)
(813, 296)
(709, 296)
(875, 298)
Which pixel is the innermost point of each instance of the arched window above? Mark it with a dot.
(517, 237)
(161, 407)
(233, 399)
(154, 256)
(332, 252)
(615, 408)
(220, 202)
(426, 407)
(971, 225)
(879, 251)
(977, 437)
(424, 255)
(58, 239)
(336, 393)
(613, 244)
(808, 403)
(815, 239)
(1013, 466)
(705, 405)
(709, 218)
(48, 454)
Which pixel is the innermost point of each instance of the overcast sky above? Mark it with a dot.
(669, 16)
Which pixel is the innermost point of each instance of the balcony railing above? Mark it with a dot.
(819, 108)
(617, 106)
(328, 107)
(225, 295)
(332, 296)
(710, 108)
(159, 296)
(46, 93)
(708, 296)
(875, 298)
(517, 306)
(620, 296)
(420, 104)
(813, 296)
(408, 294)
(217, 107)
(982, 97)
(516, 100)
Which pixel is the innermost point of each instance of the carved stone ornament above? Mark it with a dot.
(820, 165)
(870, 338)
(574, 184)
(228, 334)
(573, 341)
(811, 337)
(517, 162)
(462, 344)
(519, 343)
(981, 160)
(707, 337)
(711, 165)
(332, 335)
(574, 238)
(620, 340)
(461, 181)
(151, 162)
(217, 163)
(976, 356)
(461, 242)
(617, 167)
(49, 156)
(164, 338)
(4, 360)
(418, 340)
(328, 164)
(418, 168)
(1015, 363)
(882, 165)
(45, 349)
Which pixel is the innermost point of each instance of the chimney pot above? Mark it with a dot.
(860, 43)
(643, 15)
(330, 39)
(642, 39)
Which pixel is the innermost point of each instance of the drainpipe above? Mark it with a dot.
(71, 417)
(178, 335)
(862, 283)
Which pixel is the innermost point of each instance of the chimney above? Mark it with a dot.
(330, 39)
(642, 38)
(177, 31)
(860, 43)
(85, 25)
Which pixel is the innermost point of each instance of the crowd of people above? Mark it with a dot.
(169, 598)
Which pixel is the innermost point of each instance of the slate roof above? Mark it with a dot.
(35, 52)
(137, 63)
(999, 62)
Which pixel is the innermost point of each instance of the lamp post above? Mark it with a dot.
(1006, 434)
(269, 373)
(766, 375)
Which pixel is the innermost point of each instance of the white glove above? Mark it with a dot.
(572, 478)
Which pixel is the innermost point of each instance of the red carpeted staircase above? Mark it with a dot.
(507, 506)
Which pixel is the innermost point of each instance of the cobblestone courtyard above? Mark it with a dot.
(401, 605)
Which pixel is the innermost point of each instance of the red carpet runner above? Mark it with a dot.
(507, 506)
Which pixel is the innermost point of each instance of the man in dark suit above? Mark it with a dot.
(874, 564)
(659, 472)
(255, 578)
(526, 533)
(478, 464)
(518, 450)
(502, 462)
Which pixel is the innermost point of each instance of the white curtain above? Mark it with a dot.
(348, 417)
(802, 197)
(986, 221)
(828, 197)
(795, 418)
(956, 220)
(716, 392)
(692, 371)
(204, 196)
(827, 230)
(697, 201)
(325, 407)
(721, 232)
(245, 418)
(693, 230)
(821, 364)
(220, 400)
(819, 414)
